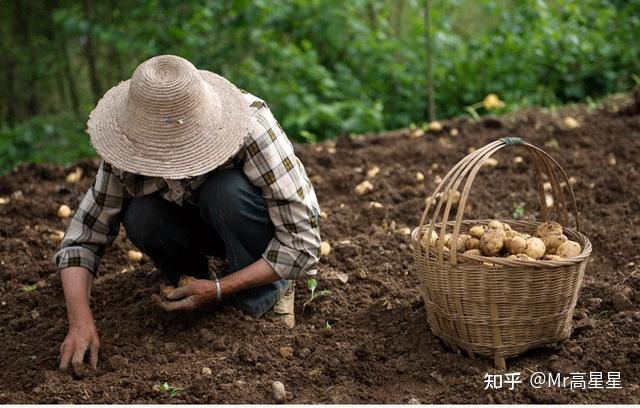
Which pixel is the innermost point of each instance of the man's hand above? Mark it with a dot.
(190, 297)
(82, 336)
(79, 340)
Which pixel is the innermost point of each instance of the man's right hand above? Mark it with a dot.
(82, 336)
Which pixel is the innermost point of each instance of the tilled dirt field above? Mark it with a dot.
(378, 347)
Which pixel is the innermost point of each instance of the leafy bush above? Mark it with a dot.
(325, 67)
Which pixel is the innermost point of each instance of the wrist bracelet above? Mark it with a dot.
(218, 290)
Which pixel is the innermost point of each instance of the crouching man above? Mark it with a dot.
(192, 167)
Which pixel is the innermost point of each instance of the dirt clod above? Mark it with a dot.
(118, 362)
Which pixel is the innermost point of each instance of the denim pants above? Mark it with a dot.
(229, 221)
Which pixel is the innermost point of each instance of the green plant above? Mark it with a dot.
(30, 288)
(312, 285)
(170, 391)
(518, 210)
(327, 325)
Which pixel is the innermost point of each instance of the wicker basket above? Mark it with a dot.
(497, 307)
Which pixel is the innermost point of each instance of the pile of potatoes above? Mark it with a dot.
(498, 239)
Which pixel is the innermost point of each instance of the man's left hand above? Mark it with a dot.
(190, 297)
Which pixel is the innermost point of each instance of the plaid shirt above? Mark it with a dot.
(269, 162)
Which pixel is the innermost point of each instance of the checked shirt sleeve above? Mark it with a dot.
(96, 223)
(272, 165)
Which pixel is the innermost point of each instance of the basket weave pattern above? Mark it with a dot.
(492, 306)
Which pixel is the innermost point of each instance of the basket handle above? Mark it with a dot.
(467, 169)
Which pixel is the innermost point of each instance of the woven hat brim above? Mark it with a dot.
(209, 144)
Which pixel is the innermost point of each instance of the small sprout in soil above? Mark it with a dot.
(64, 211)
(312, 285)
(518, 210)
(171, 391)
(30, 288)
(327, 325)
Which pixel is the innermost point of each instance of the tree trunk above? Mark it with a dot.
(90, 54)
(67, 75)
(429, 46)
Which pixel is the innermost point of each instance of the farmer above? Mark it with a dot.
(192, 166)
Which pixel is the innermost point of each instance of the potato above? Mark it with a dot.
(475, 252)
(495, 224)
(432, 241)
(64, 211)
(165, 290)
(549, 257)
(515, 244)
(521, 257)
(364, 188)
(569, 249)
(506, 226)
(461, 244)
(325, 248)
(553, 241)
(134, 256)
(477, 231)
(549, 227)
(535, 248)
(447, 239)
(492, 241)
(185, 280)
(472, 243)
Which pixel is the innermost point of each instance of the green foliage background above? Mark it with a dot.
(326, 67)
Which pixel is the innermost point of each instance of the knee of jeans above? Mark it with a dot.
(228, 196)
(141, 221)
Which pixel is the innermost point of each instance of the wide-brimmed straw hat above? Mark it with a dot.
(169, 120)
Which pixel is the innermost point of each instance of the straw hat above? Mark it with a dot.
(169, 120)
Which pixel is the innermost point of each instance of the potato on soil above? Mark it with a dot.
(185, 280)
(64, 211)
(134, 256)
(492, 241)
(364, 188)
(549, 227)
(569, 249)
(535, 248)
(325, 248)
(553, 241)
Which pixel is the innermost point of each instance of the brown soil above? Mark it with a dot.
(379, 347)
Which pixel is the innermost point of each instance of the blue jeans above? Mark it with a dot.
(230, 220)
